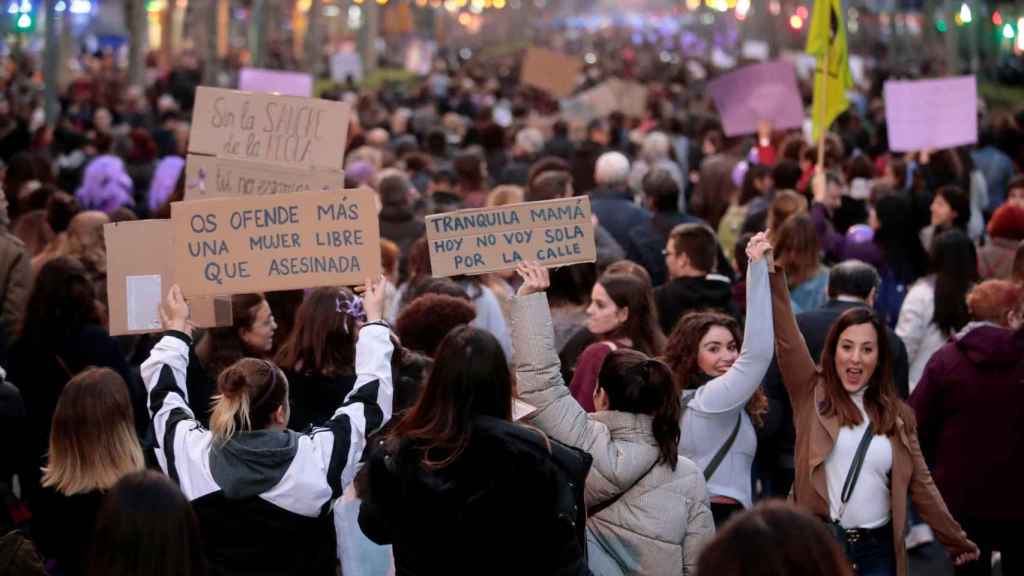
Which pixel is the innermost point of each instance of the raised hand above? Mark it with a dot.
(175, 313)
(758, 246)
(535, 278)
(373, 298)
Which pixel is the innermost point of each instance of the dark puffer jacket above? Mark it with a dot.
(506, 506)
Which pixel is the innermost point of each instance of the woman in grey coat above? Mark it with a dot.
(648, 510)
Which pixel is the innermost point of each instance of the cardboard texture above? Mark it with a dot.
(280, 130)
(614, 95)
(758, 92)
(552, 232)
(551, 71)
(139, 266)
(282, 242)
(210, 177)
(275, 82)
(931, 114)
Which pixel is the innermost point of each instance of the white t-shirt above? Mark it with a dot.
(870, 503)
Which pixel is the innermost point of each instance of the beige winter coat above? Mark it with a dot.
(660, 525)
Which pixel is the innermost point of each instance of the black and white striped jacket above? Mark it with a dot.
(263, 497)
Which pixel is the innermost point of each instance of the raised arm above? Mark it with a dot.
(798, 369)
(181, 442)
(540, 384)
(734, 388)
(341, 440)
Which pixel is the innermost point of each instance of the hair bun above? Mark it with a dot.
(232, 381)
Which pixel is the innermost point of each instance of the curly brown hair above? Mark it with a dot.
(683, 347)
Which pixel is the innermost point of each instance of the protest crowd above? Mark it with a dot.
(790, 353)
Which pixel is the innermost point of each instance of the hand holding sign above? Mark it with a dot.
(373, 298)
(535, 278)
(174, 313)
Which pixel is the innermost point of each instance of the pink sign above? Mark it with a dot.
(931, 114)
(275, 81)
(761, 92)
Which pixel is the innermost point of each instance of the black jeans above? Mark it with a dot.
(871, 553)
(1006, 537)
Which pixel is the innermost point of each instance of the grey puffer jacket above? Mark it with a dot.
(661, 523)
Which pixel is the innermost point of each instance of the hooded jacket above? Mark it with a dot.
(263, 497)
(663, 518)
(970, 405)
(682, 295)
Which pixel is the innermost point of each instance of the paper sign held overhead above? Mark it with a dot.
(275, 82)
(551, 71)
(760, 92)
(140, 270)
(280, 130)
(281, 242)
(210, 177)
(552, 232)
(931, 114)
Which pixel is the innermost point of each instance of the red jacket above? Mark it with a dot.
(970, 405)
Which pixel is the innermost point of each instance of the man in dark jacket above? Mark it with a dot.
(661, 197)
(612, 202)
(584, 160)
(851, 284)
(690, 256)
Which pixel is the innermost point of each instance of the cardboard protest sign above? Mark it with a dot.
(552, 232)
(551, 71)
(275, 82)
(631, 97)
(755, 93)
(210, 177)
(931, 114)
(280, 130)
(140, 271)
(281, 242)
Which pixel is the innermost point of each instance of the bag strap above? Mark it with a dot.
(854, 473)
(595, 510)
(724, 449)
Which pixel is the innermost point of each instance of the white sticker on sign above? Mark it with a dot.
(143, 298)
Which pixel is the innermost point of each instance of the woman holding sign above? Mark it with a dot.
(647, 507)
(261, 491)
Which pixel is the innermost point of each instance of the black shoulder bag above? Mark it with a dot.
(851, 482)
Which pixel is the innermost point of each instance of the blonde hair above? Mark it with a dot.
(251, 390)
(85, 239)
(504, 195)
(92, 437)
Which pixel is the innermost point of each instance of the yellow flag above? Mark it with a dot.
(827, 39)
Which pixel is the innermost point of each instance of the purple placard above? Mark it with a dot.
(759, 92)
(931, 114)
(275, 81)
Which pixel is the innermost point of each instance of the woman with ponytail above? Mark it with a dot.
(721, 387)
(262, 493)
(647, 507)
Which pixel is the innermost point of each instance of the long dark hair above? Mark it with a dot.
(899, 241)
(225, 346)
(641, 326)
(880, 400)
(960, 201)
(323, 341)
(954, 262)
(62, 302)
(684, 346)
(639, 384)
(470, 378)
(146, 526)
